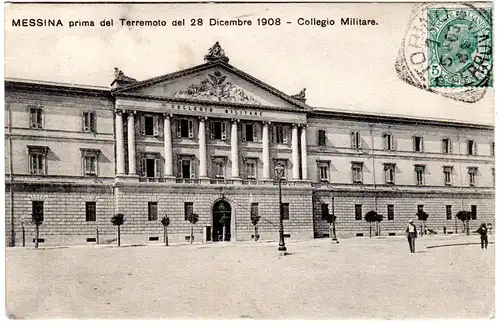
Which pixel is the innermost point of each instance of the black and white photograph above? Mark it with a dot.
(249, 161)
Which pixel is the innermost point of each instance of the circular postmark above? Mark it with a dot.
(447, 49)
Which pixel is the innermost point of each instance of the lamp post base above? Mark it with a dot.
(282, 248)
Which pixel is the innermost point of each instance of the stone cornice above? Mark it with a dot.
(44, 86)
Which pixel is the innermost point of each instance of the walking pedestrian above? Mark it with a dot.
(411, 234)
(483, 232)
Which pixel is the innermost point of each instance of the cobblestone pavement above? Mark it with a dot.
(357, 278)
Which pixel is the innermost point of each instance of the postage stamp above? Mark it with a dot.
(447, 49)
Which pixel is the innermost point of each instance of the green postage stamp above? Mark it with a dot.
(460, 49)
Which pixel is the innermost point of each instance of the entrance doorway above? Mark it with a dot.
(221, 225)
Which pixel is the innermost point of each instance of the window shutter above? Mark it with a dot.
(84, 121)
(359, 143)
(414, 144)
(157, 168)
(212, 128)
(474, 148)
(32, 164)
(353, 140)
(32, 118)
(255, 132)
(178, 128)
(450, 146)
(385, 141)
(393, 144)
(192, 168)
(143, 125)
(179, 168)
(224, 131)
(190, 129)
(143, 166)
(286, 130)
(155, 126)
(244, 132)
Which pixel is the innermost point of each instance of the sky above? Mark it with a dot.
(345, 68)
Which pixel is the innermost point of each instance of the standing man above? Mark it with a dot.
(483, 231)
(411, 234)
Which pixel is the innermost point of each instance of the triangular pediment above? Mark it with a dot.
(215, 82)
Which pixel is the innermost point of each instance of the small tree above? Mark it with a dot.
(118, 220)
(37, 220)
(422, 216)
(464, 216)
(192, 218)
(255, 221)
(165, 221)
(370, 217)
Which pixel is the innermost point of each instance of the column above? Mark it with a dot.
(131, 144)
(235, 169)
(167, 134)
(120, 144)
(265, 150)
(202, 143)
(295, 152)
(303, 151)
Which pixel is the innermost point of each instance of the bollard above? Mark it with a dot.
(97, 235)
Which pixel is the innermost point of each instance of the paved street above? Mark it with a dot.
(358, 278)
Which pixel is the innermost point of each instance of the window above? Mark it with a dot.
(390, 173)
(446, 145)
(323, 168)
(282, 162)
(185, 167)
(390, 212)
(280, 133)
(150, 165)
(472, 176)
(89, 122)
(492, 148)
(324, 211)
(355, 140)
(37, 209)
(358, 211)
(188, 209)
(357, 172)
(321, 138)
(251, 168)
(473, 211)
(90, 211)
(448, 172)
(185, 128)
(285, 211)
(388, 141)
(448, 212)
(254, 209)
(218, 130)
(219, 167)
(37, 160)
(418, 144)
(89, 161)
(419, 174)
(471, 147)
(36, 117)
(152, 211)
(249, 132)
(149, 125)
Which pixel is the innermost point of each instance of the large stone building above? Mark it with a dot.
(206, 140)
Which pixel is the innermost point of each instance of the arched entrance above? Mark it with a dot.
(221, 222)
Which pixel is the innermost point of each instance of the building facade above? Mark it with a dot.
(206, 140)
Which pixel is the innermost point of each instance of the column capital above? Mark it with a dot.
(202, 118)
(266, 122)
(235, 120)
(119, 111)
(130, 112)
(169, 115)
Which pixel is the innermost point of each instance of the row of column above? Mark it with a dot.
(202, 143)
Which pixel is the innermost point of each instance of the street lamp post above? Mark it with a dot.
(279, 172)
(334, 235)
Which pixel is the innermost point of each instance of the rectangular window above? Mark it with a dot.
(390, 173)
(357, 172)
(185, 128)
(473, 210)
(324, 211)
(90, 163)
(418, 144)
(471, 147)
(150, 165)
(37, 209)
(37, 160)
(447, 172)
(448, 212)
(152, 211)
(89, 122)
(90, 211)
(188, 209)
(254, 209)
(324, 174)
(218, 130)
(249, 133)
(388, 141)
(285, 211)
(358, 211)
(390, 212)
(446, 145)
(36, 118)
(321, 138)
(149, 125)
(355, 140)
(472, 176)
(219, 167)
(280, 133)
(251, 169)
(283, 163)
(185, 167)
(419, 175)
